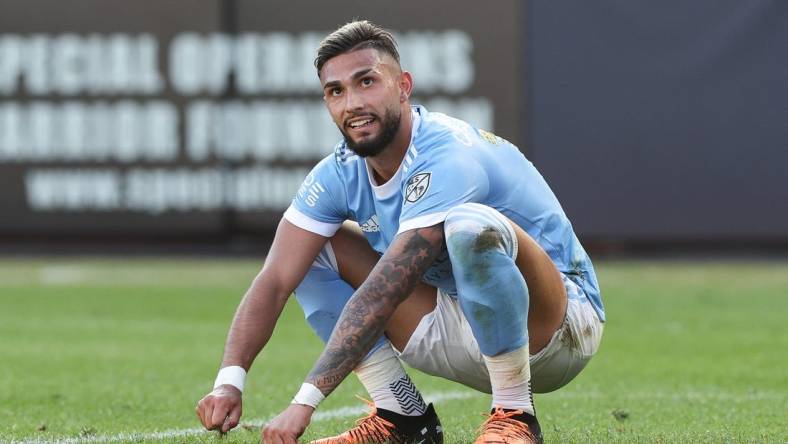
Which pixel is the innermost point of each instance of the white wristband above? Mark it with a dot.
(233, 375)
(308, 395)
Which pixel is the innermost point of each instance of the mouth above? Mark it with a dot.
(360, 123)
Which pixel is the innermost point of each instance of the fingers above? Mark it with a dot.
(288, 426)
(208, 412)
(267, 435)
(232, 419)
(219, 412)
(277, 436)
(205, 411)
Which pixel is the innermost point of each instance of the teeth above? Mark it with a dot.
(360, 123)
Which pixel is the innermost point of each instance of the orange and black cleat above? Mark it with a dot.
(506, 427)
(383, 426)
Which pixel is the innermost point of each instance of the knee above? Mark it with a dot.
(473, 230)
(322, 293)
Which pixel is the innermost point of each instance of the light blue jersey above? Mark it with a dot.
(448, 163)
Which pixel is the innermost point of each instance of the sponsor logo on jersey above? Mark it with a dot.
(371, 225)
(417, 187)
(310, 190)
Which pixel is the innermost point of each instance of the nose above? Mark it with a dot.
(353, 101)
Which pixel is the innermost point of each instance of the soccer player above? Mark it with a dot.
(421, 239)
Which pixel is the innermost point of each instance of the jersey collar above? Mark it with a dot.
(391, 187)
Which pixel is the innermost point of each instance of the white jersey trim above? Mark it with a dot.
(387, 189)
(427, 220)
(305, 222)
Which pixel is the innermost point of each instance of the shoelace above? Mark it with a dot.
(371, 428)
(500, 425)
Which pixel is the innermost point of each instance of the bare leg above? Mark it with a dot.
(547, 306)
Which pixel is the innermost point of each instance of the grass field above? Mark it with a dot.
(120, 350)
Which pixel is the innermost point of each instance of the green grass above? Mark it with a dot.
(692, 352)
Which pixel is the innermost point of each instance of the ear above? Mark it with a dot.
(405, 86)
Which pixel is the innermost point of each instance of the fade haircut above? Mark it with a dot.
(359, 34)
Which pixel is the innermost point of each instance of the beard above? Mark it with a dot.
(389, 126)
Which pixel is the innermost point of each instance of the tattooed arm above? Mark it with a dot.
(366, 314)
(362, 322)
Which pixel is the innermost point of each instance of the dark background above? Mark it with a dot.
(663, 121)
(660, 126)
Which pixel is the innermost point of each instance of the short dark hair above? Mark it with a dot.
(359, 34)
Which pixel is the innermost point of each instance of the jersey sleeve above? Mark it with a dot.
(320, 206)
(437, 185)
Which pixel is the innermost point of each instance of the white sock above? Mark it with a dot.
(388, 384)
(510, 377)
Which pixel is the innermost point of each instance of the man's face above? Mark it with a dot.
(363, 94)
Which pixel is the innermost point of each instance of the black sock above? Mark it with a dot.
(527, 418)
(404, 423)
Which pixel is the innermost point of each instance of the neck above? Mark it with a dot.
(385, 164)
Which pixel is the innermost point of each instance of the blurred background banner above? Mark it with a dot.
(151, 122)
(124, 120)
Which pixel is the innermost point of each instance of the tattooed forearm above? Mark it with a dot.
(364, 318)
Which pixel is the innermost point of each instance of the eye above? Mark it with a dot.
(366, 81)
(335, 92)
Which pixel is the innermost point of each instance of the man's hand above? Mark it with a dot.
(220, 409)
(288, 426)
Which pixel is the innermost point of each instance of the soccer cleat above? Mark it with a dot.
(384, 426)
(502, 428)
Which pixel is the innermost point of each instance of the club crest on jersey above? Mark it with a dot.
(417, 186)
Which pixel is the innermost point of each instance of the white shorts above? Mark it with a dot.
(443, 345)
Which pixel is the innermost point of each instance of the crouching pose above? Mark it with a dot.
(421, 239)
